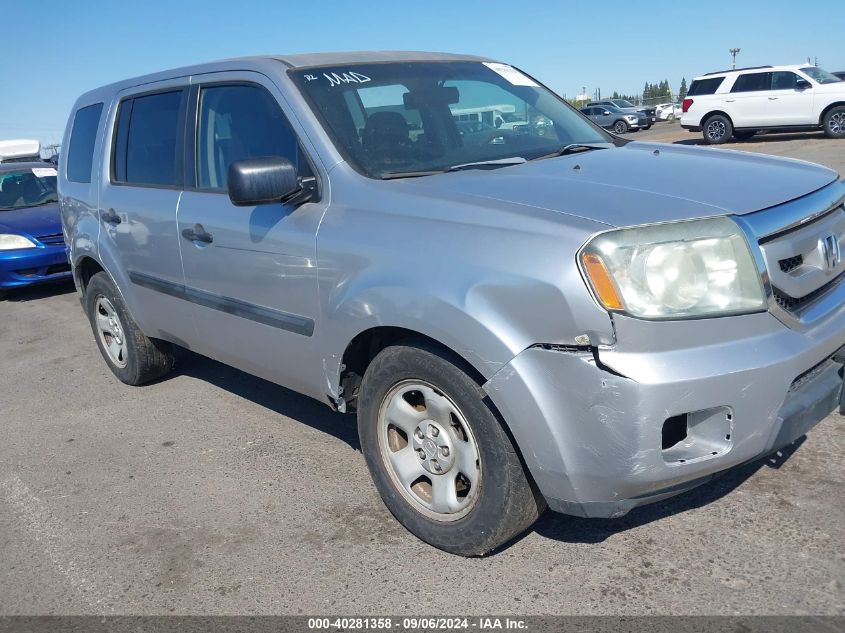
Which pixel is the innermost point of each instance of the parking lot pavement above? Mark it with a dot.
(814, 147)
(217, 493)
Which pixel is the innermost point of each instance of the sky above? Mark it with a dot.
(54, 50)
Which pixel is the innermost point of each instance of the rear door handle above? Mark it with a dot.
(729, 100)
(197, 234)
(111, 217)
(772, 98)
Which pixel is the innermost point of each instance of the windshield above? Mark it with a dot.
(821, 76)
(27, 188)
(395, 119)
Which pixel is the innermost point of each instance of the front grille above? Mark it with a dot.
(54, 239)
(800, 271)
(793, 304)
(791, 263)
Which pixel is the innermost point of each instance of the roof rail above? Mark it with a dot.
(733, 70)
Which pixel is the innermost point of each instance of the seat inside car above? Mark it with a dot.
(386, 137)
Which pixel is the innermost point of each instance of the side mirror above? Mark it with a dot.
(254, 181)
(606, 112)
(801, 84)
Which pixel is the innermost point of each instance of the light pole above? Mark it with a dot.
(733, 53)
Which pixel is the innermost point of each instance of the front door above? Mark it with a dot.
(789, 105)
(250, 272)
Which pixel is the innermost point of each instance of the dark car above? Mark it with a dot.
(32, 248)
(840, 74)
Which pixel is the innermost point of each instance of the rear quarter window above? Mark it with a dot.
(83, 137)
(704, 86)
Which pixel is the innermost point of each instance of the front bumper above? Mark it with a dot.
(591, 425)
(29, 266)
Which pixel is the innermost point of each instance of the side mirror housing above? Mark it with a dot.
(254, 181)
(801, 84)
(606, 112)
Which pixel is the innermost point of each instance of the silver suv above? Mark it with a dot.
(543, 315)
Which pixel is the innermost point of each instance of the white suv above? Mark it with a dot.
(745, 101)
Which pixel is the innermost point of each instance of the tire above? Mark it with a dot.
(744, 135)
(132, 357)
(620, 127)
(717, 129)
(834, 122)
(483, 498)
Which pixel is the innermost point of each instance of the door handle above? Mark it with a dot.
(197, 234)
(729, 100)
(111, 217)
(772, 98)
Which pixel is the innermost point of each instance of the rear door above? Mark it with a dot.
(748, 103)
(138, 201)
(253, 280)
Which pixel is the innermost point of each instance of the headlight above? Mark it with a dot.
(9, 242)
(677, 270)
(631, 117)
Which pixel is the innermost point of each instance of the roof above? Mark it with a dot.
(7, 167)
(306, 60)
(733, 71)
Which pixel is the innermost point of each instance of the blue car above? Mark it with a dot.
(32, 248)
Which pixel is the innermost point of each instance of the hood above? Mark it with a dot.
(32, 221)
(639, 183)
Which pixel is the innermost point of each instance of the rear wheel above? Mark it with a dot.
(834, 122)
(440, 458)
(620, 127)
(717, 129)
(130, 354)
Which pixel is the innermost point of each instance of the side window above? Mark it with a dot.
(147, 149)
(704, 86)
(83, 136)
(752, 82)
(237, 122)
(783, 80)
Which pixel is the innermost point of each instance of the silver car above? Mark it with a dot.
(555, 317)
(612, 118)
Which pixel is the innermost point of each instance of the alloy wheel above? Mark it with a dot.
(429, 450)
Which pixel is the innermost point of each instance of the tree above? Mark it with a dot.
(682, 91)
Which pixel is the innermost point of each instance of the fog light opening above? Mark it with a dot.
(674, 431)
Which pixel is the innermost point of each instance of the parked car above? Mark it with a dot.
(626, 106)
(666, 111)
(32, 249)
(20, 151)
(840, 74)
(578, 321)
(739, 103)
(612, 118)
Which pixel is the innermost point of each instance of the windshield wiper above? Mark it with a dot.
(410, 174)
(489, 164)
(572, 148)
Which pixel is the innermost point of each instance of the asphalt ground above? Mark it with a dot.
(213, 492)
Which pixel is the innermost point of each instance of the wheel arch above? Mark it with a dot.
(713, 113)
(828, 108)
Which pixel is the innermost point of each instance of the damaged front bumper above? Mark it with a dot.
(603, 431)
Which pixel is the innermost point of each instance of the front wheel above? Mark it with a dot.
(439, 456)
(717, 130)
(620, 127)
(834, 122)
